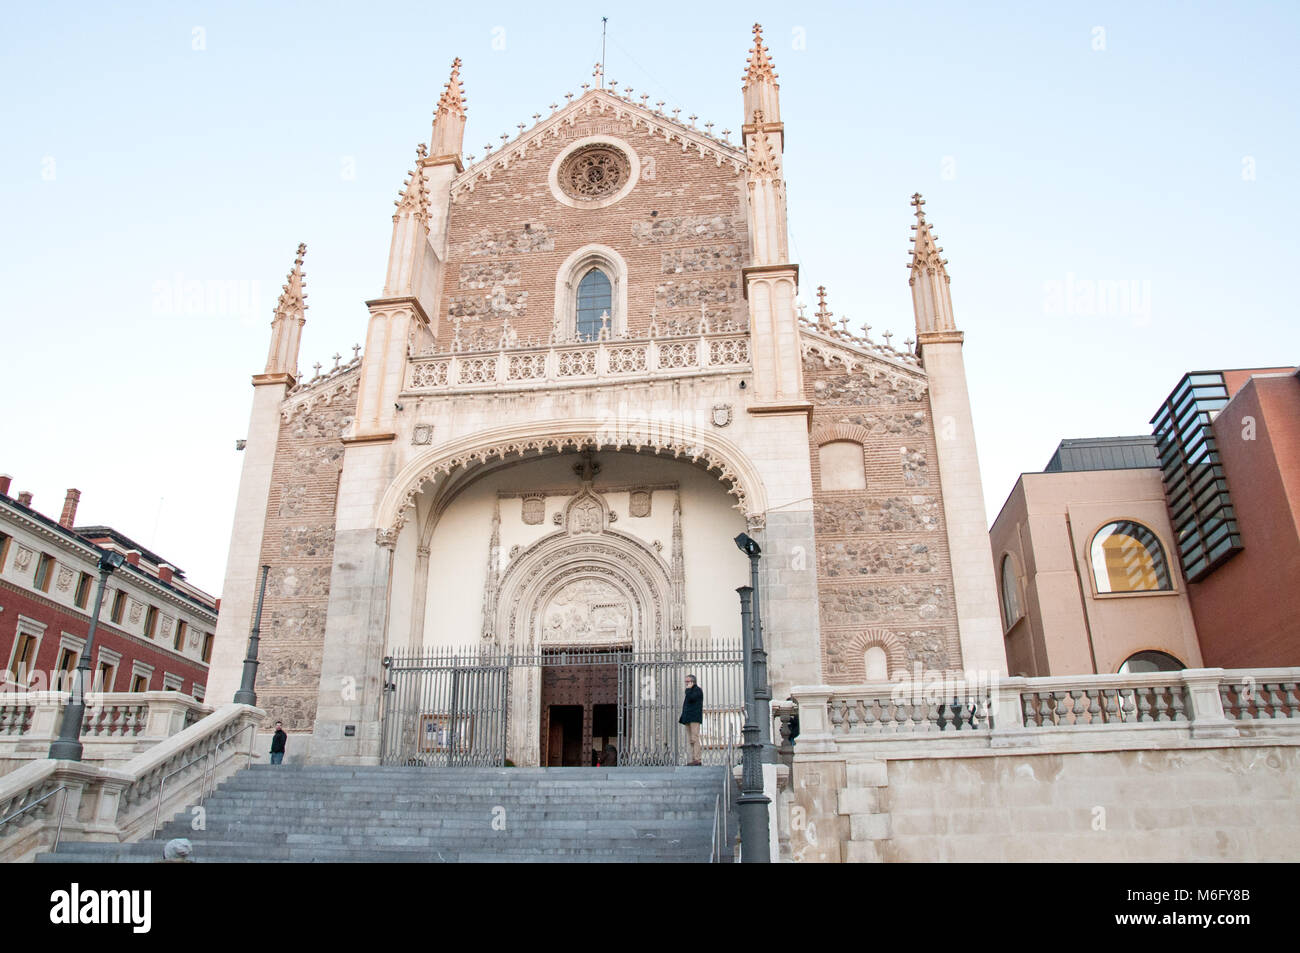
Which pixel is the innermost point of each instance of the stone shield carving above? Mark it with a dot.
(534, 510)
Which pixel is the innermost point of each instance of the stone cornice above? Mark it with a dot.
(775, 270)
(795, 407)
(939, 337)
(383, 304)
(369, 438)
(260, 380)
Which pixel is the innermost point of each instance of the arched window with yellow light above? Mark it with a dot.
(1127, 557)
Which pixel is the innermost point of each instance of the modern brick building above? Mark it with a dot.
(1084, 553)
(1177, 550)
(155, 630)
(1229, 444)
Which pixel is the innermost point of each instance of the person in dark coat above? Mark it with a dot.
(692, 715)
(277, 743)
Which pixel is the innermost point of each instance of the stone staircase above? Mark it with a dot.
(323, 814)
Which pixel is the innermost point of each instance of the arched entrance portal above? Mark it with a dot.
(579, 600)
(571, 571)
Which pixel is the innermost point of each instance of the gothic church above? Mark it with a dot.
(587, 371)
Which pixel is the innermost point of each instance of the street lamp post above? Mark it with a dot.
(67, 747)
(755, 833)
(762, 688)
(246, 695)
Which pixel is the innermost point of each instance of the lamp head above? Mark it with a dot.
(746, 544)
(111, 561)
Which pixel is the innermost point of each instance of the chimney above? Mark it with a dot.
(165, 571)
(70, 508)
(5, 481)
(25, 498)
(133, 557)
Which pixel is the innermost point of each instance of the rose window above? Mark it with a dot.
(594, 172)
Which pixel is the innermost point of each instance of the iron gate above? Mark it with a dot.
(453, 707)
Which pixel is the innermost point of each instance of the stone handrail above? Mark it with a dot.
(581, 362)
(1199, 702)
(119, 803)
(117, 725)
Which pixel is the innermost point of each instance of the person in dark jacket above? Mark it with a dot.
(692, 715)
(277, 743)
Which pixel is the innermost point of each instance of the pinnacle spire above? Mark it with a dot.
(926, 253)
(286, 325)
(415, 193)
(292, 295)
(452, 101)
(931, 298)
(760, 63)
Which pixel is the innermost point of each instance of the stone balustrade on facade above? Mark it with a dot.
(1189, 765)
(81, 800)
(613, 359)
(117, 725)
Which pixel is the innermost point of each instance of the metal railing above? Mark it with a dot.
(458, 706)
(203, 784)
(63, 803)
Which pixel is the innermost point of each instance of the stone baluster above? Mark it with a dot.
(1143, 704)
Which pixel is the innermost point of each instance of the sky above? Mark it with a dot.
(1115, 186)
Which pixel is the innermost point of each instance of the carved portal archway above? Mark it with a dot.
(603, 590)
(584, 587)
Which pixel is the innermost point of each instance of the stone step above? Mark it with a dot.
(318, 813)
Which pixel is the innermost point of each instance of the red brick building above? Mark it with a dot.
(155, 630)
(1230, 455)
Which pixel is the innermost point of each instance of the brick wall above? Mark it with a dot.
(681, 230)
(883, 569)
(298, 545)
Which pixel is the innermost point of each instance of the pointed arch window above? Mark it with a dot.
(595, 300)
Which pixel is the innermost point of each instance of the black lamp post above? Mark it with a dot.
(67, 747)
(246, 695)
(755, 831)
(762, 689)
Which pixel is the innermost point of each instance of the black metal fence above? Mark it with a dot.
(453, 707)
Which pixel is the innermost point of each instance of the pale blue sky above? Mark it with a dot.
(131, 158)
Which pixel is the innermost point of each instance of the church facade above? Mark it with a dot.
(586, 372)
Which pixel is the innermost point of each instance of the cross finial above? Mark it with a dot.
(337, 357)
(317, 366)
(598, 72)
(356, 352)
(917, 202)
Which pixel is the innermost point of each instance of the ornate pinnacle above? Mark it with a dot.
(453, 98)
(917, 203)
(292, 297)
(760, 64)
(414, 198)
(823, 315)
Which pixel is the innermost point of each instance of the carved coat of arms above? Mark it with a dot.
(721, 415)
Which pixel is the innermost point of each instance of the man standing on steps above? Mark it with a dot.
(692, 715)
(277, 743)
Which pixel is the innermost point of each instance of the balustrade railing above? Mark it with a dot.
(888, 713)
(1210, 702)
(617, 358)
(125, 801)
